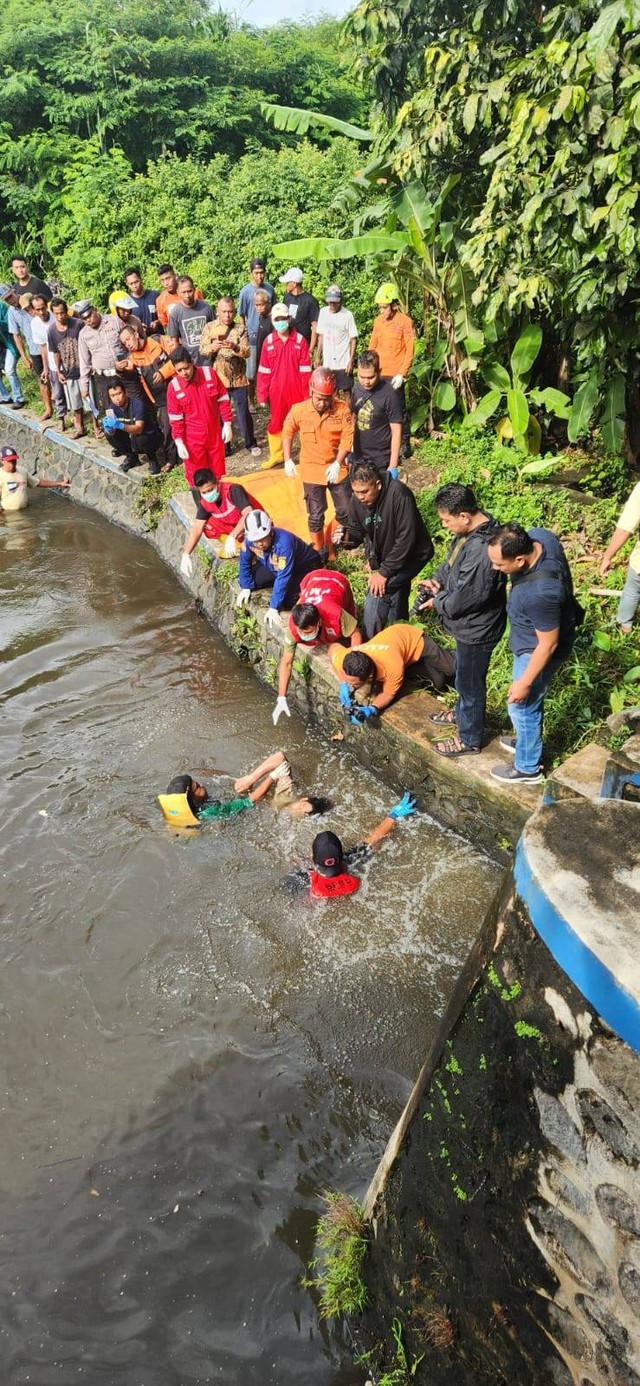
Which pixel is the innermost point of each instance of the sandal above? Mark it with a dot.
(446, 718)
(454, 747)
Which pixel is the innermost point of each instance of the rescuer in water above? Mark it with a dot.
(331, 875)
(186, 803)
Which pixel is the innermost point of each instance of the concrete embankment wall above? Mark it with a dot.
(398, 749)
(505, 1232)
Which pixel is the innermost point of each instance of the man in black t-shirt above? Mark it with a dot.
(27, 283)
(131, 429)
(543, 615)
(304, 309)
(377, 408)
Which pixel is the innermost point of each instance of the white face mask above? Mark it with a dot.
(309, 636)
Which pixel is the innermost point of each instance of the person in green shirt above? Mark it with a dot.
(186, 803)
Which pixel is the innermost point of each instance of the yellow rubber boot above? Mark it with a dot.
(276, 454)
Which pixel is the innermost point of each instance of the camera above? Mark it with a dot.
(423, 595)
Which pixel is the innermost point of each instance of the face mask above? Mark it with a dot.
(308, 636)
(211, 496)
(282, 325)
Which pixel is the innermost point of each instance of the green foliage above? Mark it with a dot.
(154, 493)
(538, 109)
(342, 1239)
(81, 83)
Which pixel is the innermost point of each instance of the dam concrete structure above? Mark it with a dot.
(504, 1219)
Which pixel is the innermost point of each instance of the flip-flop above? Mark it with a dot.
(446, 718)
(454, 748)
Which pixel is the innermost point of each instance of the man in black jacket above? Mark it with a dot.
(468, 595)
(397, 545)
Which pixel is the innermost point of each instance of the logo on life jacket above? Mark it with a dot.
(328, 886)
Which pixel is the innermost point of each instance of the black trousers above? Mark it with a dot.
(244, 420)
(406, 423)
(170, 450)
(315, 499)
(392, 606)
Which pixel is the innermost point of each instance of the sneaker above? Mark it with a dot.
(256, 452)
(508, 743)
(507, 774)
(18, 404)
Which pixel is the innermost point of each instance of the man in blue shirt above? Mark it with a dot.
(273, 558)
(145, 299)
(542, 614)
(247, 310)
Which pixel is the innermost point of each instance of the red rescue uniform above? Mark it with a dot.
(331, 595)
(197, 409)
(283, 375)
(327, 887)
(224, 515)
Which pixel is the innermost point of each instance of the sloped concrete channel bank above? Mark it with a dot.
(459, 794)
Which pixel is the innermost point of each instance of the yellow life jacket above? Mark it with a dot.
(177, 811)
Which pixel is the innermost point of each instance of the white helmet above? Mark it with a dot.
(257, 526)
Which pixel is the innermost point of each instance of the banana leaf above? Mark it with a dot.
(525, 352)
(298, 122)
(582, 408)
(322, 248)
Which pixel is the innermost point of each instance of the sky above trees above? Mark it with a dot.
(265, 12)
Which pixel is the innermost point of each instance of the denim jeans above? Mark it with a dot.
(472, 663)
(392, 606)
(11, 372)
(244, 419)
(527, 716)
(630, 599)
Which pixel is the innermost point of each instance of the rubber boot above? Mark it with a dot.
(276, 454)
(327, 541)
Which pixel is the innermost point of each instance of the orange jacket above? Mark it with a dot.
(392, 651)
(322, 436)
(144, 361)
(394, 340)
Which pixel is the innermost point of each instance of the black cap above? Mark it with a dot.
(257, 263)
(327, 854)
(9, 454)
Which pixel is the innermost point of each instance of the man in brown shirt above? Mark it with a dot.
(226, 342)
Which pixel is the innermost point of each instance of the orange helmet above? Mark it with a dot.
(323, 381)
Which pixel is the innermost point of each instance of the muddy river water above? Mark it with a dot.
(188, 1057)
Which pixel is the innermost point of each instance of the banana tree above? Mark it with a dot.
(519, 424)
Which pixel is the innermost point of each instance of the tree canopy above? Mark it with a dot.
(78, 81)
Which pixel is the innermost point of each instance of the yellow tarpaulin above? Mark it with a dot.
(282, 499)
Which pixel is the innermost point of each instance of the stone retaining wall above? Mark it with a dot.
(460, 794)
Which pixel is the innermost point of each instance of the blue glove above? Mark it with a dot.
(393, 473)
(118, 423)
(405, 808)
(362, 714)
(108, 423)
(345, 694)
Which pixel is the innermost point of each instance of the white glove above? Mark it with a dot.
(332, 473)
(280, 770)
(230, 546)
(290, 469)
(182, 449)
(186, 565)
(397, 381)
(244, 596)
(272, 618)
(227, 432)
(280, 707)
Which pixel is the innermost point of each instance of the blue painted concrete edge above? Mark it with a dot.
(598, 985)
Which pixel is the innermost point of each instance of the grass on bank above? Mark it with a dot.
(337, 1273)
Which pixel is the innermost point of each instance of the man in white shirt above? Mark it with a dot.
(627, 525)
(41, 321)
(14, 485)
(337, 340)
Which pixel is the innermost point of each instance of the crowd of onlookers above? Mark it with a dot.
(167, 375)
